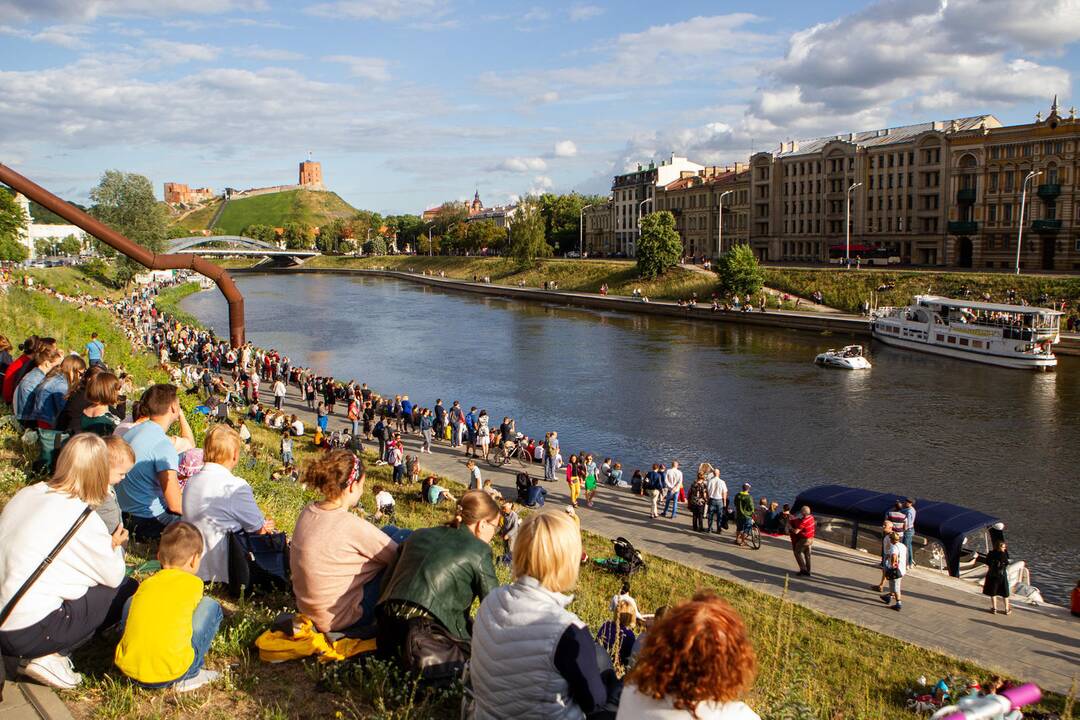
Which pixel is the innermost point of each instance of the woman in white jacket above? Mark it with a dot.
(84, 589)
(217, 502)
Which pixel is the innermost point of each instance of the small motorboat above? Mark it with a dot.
(848, 358)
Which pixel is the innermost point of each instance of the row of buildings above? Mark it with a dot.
(936, 193)
(501, 215)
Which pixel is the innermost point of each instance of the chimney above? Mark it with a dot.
(938, 125)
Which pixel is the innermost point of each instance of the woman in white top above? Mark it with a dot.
(697, 662)
(84, 589)
(217, 502)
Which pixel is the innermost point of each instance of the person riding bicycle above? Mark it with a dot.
(744, 514)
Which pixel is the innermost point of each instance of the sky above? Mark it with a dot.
(407, 103)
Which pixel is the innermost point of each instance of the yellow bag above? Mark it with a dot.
(305, 641)
(446, 433)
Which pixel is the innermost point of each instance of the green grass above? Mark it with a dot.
(847, 289)
(812, 665)
(75, 280)
(168, 301)
(198, 219)
(308, 207)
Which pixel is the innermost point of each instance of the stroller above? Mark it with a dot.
(524, 484)
(627, 560)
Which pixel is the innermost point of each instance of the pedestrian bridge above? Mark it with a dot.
(238, 245)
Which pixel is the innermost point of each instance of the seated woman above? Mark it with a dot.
(531, 657)
(217, 502)
(84, 589)
(48, 401)
(436, 577)
(102, 392)
(433, 493)
(696, 663)
(338, 558)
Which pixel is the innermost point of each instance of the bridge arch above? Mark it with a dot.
(187, 243)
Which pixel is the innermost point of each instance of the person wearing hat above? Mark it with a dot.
(909, 529)
(744, 514)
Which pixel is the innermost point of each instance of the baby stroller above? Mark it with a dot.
(524, 484)
(627, 560)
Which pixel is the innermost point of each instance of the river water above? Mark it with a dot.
(647, 389)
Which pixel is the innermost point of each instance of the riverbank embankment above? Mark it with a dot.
(854, 326)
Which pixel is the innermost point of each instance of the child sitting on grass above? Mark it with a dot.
(384, 503)
(168, 625)
(121, 459)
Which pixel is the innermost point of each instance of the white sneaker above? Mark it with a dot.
(53, 670)
(204, 677)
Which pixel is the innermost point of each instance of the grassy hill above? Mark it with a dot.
(309, 207)
(198, 219)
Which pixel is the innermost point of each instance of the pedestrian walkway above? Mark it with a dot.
(26, 701)
(1037, 645)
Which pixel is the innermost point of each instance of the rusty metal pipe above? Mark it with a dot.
(152, 260)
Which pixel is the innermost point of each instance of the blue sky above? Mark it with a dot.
(411, 102)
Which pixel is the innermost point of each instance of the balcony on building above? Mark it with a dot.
(1049, 191)
(963, 227)
(1046, 226)
(965, 195)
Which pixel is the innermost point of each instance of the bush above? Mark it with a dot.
(740, 272)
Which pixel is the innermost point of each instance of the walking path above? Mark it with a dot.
(1039, 645)
(26, 701)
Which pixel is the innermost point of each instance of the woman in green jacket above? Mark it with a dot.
(430, 587)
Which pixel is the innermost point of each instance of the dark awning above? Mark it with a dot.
(945, 522)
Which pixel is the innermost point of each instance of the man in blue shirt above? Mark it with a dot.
(909, 529)
(149, 495)
(95, 350)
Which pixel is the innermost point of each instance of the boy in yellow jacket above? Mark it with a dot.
(168, 625)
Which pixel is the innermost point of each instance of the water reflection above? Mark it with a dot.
(748, 399)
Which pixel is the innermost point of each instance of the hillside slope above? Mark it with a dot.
(308, 207)
(199, 218)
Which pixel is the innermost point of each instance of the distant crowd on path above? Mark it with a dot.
(128, 476)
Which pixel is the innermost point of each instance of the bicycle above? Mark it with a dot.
(509, 451)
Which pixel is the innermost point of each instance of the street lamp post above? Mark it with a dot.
(648, 199)
(1023, 203)
(847, 224)
(720, 223)
(581, 230)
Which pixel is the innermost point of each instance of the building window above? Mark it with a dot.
(991, 213)
(1006, 213)
(995, 152)
(993, 182)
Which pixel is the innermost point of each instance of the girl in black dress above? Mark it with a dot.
(996, 584)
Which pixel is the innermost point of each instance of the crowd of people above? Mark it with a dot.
(129, 469)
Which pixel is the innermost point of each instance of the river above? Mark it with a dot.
(646, 389)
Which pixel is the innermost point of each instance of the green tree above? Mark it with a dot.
(264, 233)
(659, 247)
(562, 218)
(43, 246)
(486, 235)
(740, 271)
(71, 245)
(177, 231)
(410, 229)
(375, 246)
(298, 236)
(12, 221)
(527, 240)
(125, 202)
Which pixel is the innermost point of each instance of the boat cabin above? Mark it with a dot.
(948, 537)
(1017, 322)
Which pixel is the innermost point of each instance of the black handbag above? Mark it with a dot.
(432, 653)
(258, 563)
(10, 607)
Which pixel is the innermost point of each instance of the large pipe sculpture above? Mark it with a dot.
(152, 260)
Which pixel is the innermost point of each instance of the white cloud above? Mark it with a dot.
(84, 10)
(521, 164)
(65, 36)
(254, 52)
(536, 14)
(370, 68)
(583, 12)
(541, 184)
(179, 52)
(388, 10)
(960, 55)
(565, 149)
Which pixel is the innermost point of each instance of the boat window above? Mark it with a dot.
(921, 316)
(977, 343)
(940, 338)
(835, 530)
(964, 341)
(952, 340)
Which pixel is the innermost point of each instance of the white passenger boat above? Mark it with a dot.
(1013, 336)
(849, 358)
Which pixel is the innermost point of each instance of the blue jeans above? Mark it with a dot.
(204, 626)
(909, 535)
(371, 590)
(716, 510)
(549, 467)
(672, 501)
(286, 458)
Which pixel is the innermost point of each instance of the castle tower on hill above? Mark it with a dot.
(311, 175)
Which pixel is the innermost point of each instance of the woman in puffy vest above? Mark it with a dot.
(531, 657)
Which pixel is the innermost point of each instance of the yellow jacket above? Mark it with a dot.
(305, 641)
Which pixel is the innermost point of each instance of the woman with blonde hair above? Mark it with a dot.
(83, 589)
(438, 574)
(533, 658)
(217, 502)
(697, 662)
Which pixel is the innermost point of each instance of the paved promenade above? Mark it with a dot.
(1038, 645)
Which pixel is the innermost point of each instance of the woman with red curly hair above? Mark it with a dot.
(697, 663)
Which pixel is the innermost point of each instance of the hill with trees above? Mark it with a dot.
(311, 208)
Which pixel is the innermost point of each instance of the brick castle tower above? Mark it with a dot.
(311, 174)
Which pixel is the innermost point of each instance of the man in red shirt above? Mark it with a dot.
(802, 529)
(19, 367)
